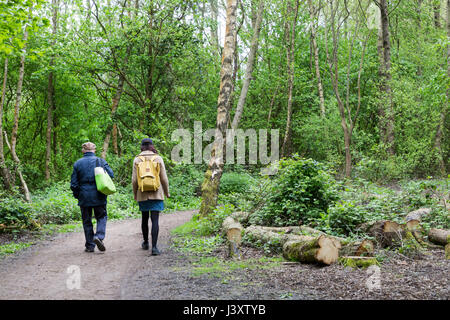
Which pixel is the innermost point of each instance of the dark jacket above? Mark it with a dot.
(83, 184)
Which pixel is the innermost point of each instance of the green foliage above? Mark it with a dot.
(363, 201)
(342, 218)
(302, 192)
(15, 213)
(185, 182)
(271, 247)
(171, 80)
(217, 267)
(10, 248)
(196, 244)
(55, 204)
(235, 182)
(212, 224)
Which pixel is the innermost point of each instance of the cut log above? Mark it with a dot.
(305, 231)
(233, 232)
(439, 236)
(417, 214)
(302, 248)
(265, 235)
(315, 250)
(387, 233)
(356, 261)
(360, 248)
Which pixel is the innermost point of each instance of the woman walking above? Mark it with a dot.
(149, 191)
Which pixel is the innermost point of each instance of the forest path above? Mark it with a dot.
(49, 269)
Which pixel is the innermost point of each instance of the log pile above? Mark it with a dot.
(307, 245)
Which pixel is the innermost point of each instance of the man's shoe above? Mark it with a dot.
(155, 251)
(89, 250)
(99, 244)
(145, 245)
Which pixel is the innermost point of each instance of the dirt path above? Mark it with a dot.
(45, 270)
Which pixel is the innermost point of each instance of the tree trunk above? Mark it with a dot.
(214, 22)
(250, 65)
(386, 233)
(311, 250)
(439, 236)
(390, 118)
(50, 108)
(233, 232)
(357, 248)
(381, 108)
(304, 248)
(113, 129)
(4, 171)
(290, 50)
(210, 186)
(301, 231)
(437, 13)
(51, 95)
(441, 123)
(360, 248)
(316, 59)
(417, 232)
(348, 155)
(16, 119)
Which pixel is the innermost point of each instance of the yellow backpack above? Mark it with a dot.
(148, 174)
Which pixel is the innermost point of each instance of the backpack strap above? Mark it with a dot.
(143, 157)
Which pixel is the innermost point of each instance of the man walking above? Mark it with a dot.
(84, 189)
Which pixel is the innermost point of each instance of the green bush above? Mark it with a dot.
(343, 217)
(185, 183)
(122, 204)
(301, 192)
(205, 226)
(16, 213)
(55, 204)
(235, 182)
(212, 224)
(363, 201)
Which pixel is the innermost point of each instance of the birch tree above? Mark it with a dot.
(211, 182)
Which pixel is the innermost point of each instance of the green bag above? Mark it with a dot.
(103, 181)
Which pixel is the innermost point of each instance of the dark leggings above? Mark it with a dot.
(155, 226)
